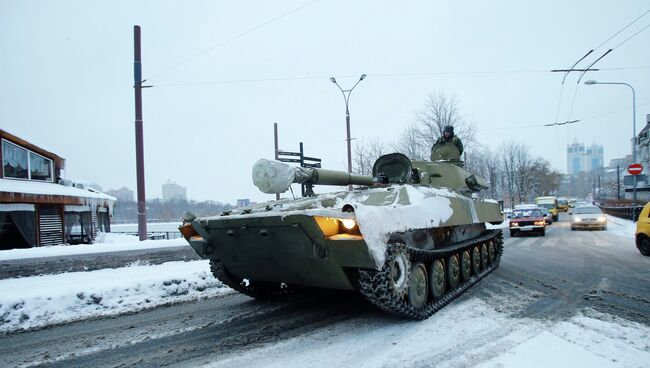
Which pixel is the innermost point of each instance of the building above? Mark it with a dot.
(173, 192)
(38, 207)
(581, 158)
(245, 202)
(643, 157)
(123, 194)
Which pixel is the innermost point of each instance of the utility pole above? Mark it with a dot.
(277, 150)
(618, 183)
(139, 139)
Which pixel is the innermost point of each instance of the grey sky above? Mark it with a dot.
(66, 80)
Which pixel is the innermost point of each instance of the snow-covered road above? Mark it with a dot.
(571, 305)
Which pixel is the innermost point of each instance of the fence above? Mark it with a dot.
(154, 235)
(628, 213)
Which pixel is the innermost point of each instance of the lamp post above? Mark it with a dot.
(346, 97)
(592, 82)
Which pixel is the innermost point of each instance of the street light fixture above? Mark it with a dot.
(346, 97)
(592, 82)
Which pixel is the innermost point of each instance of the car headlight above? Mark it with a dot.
(539, 223)
(577, 219)
(514, 224)
(602, 219)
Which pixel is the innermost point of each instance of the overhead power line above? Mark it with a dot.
(239, 35)
(380, 75)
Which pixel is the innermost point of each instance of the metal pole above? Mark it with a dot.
(348, 139)
(139, 140)
(618, 183)
(302, 164)
(277, 150)
(633, 136)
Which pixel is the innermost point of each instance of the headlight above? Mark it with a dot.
(331, 226)
(539, 223)
(514, 224)
(602, 219)
(348, 223)
(577, 219)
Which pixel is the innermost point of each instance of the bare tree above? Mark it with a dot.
(365, 154)
(439, 111)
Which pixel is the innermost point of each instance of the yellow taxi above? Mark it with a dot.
(643, 231)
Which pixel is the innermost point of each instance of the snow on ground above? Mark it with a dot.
(38, 301)
(467, 334)
(108, 242)
(621, 226)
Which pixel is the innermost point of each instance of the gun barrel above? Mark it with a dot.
(335, 177)
(276, 177)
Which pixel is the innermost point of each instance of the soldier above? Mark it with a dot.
(448, 136)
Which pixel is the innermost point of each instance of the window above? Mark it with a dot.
(14, 161)
(40, 168)
(19, 163)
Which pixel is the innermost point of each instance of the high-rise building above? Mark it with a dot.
(173, 192)
(584, 159)
(123, 194)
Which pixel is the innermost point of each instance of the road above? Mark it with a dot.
(542, 278)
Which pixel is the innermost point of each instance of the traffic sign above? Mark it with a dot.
(635, 169)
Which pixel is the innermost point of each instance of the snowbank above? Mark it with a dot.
(44, 300)
(621, 226)
(108, 242)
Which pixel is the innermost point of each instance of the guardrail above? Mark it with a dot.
(154, 235)
(628, 213)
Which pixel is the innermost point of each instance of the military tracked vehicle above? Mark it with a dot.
(410, 238)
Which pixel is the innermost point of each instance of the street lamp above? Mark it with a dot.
(346, 98)
(592, 82)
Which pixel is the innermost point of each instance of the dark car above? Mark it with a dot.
(527, 220)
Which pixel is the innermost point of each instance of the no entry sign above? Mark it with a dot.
(635, 169)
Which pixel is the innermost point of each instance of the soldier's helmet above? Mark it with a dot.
(448, 129)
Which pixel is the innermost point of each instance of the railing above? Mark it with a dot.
(154, 235)
(628, 213)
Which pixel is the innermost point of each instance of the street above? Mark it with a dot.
(547, 279)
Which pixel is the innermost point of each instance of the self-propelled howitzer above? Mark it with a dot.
(410, 238)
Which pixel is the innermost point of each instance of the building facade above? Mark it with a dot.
(581, 158)
(123, 194)
(38, 207)
(173, 192)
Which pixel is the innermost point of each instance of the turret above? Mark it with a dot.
(394, 168)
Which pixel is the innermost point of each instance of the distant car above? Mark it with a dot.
(576, 205)
(643, 231)
(548, 216)
(588, 217)
(563, 204)
(527, 220)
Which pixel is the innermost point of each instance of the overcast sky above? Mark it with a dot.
(224, 71)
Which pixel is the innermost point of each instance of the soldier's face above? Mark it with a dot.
(446, 134)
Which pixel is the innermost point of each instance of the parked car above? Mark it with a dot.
(588, 217)
(643, 231)
(527, 220)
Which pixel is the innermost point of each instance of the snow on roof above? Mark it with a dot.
(34, 187)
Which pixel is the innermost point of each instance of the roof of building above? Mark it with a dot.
(49, 189)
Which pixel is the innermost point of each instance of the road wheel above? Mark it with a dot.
(491, 252)
(476, 260)
(465, 265)
(484, 256)
(437, 279)
(418, 286)
(643, 244)
(453, 271)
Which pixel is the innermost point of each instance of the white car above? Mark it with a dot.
(588, 217)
